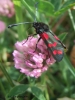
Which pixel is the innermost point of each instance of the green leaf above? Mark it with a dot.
(69, 65)
(37, 93)
(19, 18)
(43, 7)
(46, 7)
(62, 36)
(67, 5)
(28, 7)
(20, 89)
(56, 3)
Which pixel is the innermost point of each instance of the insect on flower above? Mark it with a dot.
(53, 43)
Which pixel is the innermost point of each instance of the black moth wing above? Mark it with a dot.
(58, 57)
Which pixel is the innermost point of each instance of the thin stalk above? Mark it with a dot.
(2, 88)
(43, 82)
(6, 74)
(20, 78)
(72, 19)
(46, 94)
(19, 18)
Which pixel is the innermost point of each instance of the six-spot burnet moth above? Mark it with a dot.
(54, 45)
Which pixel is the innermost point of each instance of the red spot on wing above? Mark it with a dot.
(56, 37)
(57, 52)
(60, 52)
(44, 36)
(52, 44)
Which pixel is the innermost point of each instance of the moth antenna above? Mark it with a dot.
(12, 25)
(36, 9)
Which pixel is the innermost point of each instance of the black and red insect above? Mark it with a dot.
(54, 45)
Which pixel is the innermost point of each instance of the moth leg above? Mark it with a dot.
(37, 43)
(28, 38)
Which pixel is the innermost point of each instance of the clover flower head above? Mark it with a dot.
(6, 8)
(32, 62)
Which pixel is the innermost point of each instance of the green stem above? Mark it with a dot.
(20, 78)
(30, 10)
(6, 74)
(46, 94)
(43, 82)
(68, 64)
(19, 18)
(72, 19)
(2, 88)
(31, 80)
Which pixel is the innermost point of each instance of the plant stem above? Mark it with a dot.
(72, 19)
(2, 88)
(19, 18)
(20, 77)
(43, 82)
(46, 94)
(6, 74)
